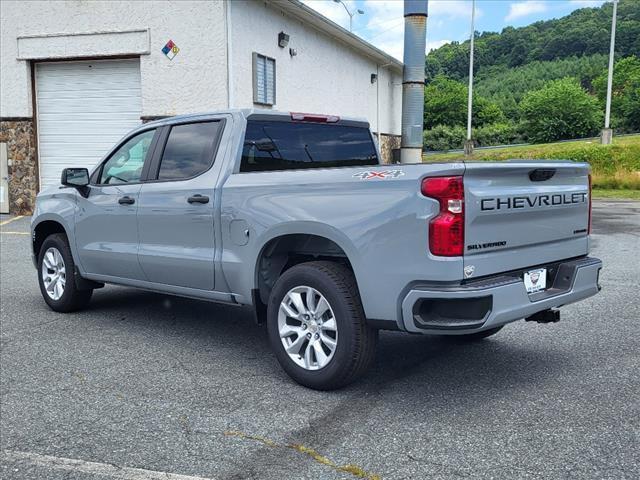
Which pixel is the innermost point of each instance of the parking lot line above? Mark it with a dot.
(93, 468)
(15, 233)
(4, 222)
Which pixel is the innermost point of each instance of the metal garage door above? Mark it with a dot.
(83, 109)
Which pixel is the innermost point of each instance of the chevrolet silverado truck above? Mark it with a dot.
(295, 215)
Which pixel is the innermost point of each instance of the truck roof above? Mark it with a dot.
(255, 113)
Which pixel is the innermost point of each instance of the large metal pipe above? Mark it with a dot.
(415, 42)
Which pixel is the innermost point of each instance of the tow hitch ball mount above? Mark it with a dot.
(546, 316)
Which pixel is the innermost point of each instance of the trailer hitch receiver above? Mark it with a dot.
(546, 316)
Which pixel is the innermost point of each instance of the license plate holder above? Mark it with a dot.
(535, 280)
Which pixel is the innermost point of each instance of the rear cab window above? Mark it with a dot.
(189, 150)
(271, 145)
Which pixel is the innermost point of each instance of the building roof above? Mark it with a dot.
(309, 16)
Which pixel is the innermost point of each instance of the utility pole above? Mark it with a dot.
(468, 144)
(415, 43)
(350, 13)
(606, 137)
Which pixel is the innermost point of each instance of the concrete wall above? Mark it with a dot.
(326, 76)
(195, 80)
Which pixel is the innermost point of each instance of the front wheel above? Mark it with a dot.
(56, 276)
(317, 327)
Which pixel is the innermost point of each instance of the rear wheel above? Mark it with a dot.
(317, 327)
(56, 276)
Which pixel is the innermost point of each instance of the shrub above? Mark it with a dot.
(562, 109)
(498, 134)
(443, 137)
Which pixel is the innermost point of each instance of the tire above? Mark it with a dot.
(59, 290)
(474, 337)
(354, 342)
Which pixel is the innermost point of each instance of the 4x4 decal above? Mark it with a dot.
(368, 175)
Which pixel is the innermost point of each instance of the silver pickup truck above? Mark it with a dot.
(294, 215)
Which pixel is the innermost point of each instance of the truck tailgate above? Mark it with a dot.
(520, 214)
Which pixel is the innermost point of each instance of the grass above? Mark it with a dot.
(615, 168)
(623, 194)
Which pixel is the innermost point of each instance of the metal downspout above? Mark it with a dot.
(229, 52)
(378, 105)
(415, 39)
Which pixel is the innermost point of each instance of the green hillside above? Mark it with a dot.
(539, 83)
(507, 86)
(582, 33)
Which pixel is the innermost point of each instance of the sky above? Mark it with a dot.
(449, 20)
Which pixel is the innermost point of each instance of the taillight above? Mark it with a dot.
(590, 189)
(446, 230)
(310, 117)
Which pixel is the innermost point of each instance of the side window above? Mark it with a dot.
(189, 150)
(125, 165)
(264, 80)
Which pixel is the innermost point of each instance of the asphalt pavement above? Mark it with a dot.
(146, 386)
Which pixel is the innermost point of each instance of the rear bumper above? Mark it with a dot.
(494, 301)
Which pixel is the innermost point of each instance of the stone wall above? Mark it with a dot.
(388, 143)
(19, 135)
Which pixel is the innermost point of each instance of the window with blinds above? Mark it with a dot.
(264, 80)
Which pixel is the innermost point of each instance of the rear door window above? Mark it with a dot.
(189, 150)
(273, 145)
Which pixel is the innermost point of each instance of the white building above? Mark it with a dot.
(77, 75)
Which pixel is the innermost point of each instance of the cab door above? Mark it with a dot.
(176, 207)
(106, 231)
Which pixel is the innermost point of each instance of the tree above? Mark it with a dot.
(561, 109)
(625, 98)
(445, 103)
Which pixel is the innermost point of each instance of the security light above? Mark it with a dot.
(283, 39)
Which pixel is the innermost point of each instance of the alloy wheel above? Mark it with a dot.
(54, 275)
(307, 328)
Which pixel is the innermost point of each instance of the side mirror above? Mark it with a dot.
(75, 177)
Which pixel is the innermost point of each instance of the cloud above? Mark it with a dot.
(388, 35)
(384, 25)
(436, 44)
(524, 9)
(333, 11)
(440, 9)
(587, 3)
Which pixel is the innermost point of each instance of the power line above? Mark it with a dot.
(376, 24)
(386, 30)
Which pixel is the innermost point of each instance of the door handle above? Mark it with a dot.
(197, 198)
(126, 200)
